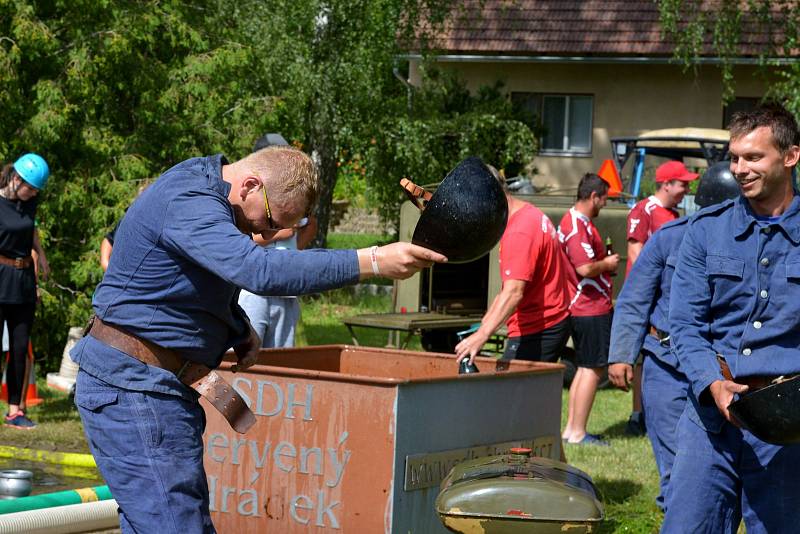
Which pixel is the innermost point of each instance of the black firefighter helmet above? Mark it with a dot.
(717, 185)
(465, 217)
(771, 413)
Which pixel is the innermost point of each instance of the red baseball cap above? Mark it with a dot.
(674, 170)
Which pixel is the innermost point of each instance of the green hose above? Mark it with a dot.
(59, 498)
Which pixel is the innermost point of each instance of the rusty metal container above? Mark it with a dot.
(519, 493)
(358, 439)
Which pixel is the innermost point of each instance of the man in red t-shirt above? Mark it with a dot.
(589, 282)
(647, 216)
(533, 298)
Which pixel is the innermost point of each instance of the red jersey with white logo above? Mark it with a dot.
(582, 243)
(647, 216)
(530, 251)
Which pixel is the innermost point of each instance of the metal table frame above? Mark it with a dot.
(410, 323)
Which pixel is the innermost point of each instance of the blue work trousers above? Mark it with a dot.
(664, 392)
(149, 449)
(718, 479)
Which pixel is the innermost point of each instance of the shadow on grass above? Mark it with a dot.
(614, 493)
(617, 430)
(617, 491)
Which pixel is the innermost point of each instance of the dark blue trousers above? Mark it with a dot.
(664, 393)
(718, 479)
(149, 449)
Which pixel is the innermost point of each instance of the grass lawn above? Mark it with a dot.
(357, 240)
(625, 472)
(321, 319)
(59, 426)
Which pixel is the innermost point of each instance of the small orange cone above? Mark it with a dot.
(30, 391)
(608, 172)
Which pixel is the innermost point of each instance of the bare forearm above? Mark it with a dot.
(501, 309)
(590, 270)
(105, 253)
(37, 244)
(43, 268)
(634, 249)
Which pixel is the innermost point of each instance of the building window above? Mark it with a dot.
(563, 122)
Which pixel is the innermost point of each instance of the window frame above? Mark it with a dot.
(541, 96)
(565, 140)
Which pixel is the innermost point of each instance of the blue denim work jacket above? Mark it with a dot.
(175, 273)
(644, 299)
(736, 292)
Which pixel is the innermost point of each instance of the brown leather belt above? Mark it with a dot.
(17, 263)
(753, 382)
(207, 382)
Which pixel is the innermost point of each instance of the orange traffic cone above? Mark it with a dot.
(29, 390)
(608, 172)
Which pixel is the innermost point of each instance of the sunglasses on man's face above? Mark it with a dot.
(271, 224)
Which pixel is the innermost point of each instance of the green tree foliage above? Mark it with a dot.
(333, 64)
(447, 124)
(771, 27)
(114, 92)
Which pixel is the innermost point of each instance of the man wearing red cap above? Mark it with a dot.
(672, 183)
(647, 216)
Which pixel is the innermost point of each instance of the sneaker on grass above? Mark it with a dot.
(19, 421)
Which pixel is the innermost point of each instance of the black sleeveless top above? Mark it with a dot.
(17, 286)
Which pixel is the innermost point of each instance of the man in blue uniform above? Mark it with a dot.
(735, 295)
(641, 324)
(166, 311)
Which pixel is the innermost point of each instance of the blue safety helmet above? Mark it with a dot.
(33, 169)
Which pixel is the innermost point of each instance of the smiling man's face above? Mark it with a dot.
(759, 167)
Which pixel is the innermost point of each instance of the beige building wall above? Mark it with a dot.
(627, 100)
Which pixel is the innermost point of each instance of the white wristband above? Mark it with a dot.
(373, 258)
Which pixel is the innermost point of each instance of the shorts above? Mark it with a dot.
(592, 336)
(544, 346)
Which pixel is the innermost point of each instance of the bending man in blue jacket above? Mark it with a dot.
(166, 312)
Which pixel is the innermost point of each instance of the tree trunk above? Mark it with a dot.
(323, 147)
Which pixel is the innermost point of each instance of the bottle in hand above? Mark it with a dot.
(610, 251)
(464, 367)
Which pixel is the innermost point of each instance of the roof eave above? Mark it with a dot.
(483, 58)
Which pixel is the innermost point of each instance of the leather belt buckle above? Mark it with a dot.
(662, 337)
(224, 398)
(89, 325)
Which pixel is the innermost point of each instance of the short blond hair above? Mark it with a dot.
(287, 171)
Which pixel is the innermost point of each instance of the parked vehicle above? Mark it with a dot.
(469, 288)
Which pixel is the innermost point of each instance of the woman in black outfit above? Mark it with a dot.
(20, 182)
